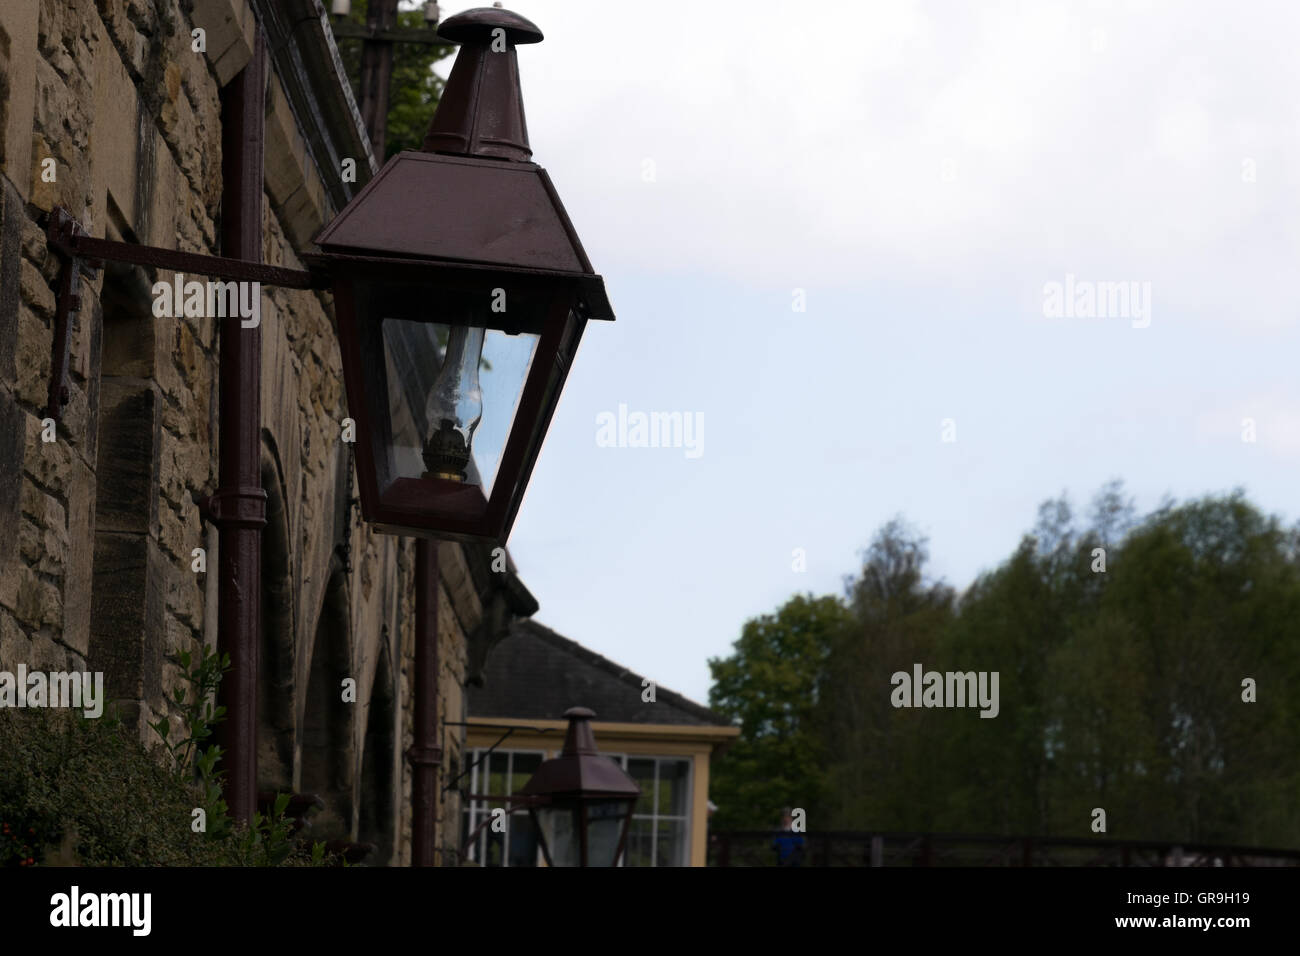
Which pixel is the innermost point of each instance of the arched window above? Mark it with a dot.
(275, 704)
(377, 763)
(327, 747)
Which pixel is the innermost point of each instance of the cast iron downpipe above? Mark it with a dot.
(239, 505)
(425, 754)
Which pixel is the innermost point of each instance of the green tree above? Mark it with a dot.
(1210, 591)
(1122, 647)
(770, 687)
(880, 760)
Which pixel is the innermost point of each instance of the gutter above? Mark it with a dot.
(303, 51)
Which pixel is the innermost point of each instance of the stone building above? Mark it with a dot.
(110, 109)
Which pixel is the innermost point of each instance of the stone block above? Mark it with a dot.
(89, 346)
(130, 443)
(36, 292)
(128, 626)
(235, 19)
(41, 548)
(40, 508)
(15, 646)
(285, 148)
(39, 605)
(172, 533)
(48, 463)
(185, 593)
(114, 140)
(74, 421)
(78, 581)
(129, 346)
(18, 57)
(34, 245)
(13, 222)
(13, 435)
(163, 188)
(171, 477)
(35, 341)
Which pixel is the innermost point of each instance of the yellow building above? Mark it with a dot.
(659, 737)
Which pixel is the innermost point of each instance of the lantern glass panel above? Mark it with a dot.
(450, 386)
(604, 828)
(559, 826)
(446, 358)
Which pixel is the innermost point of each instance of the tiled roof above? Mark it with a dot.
(536, 674)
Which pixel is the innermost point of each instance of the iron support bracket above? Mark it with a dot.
(61, 231)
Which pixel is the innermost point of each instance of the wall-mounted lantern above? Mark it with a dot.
(581, 802)
(461, 292)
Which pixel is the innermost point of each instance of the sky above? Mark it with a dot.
(831, 237)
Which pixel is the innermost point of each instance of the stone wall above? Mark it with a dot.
(98, 529)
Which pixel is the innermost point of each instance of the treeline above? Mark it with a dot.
(1128, 689)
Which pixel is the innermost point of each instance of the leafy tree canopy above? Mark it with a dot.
(1126, 650)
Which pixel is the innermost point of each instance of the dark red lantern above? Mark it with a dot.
(581, 802)
(461, 292)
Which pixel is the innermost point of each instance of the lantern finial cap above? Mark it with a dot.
(579, 739)
(476, 26)
(481, 112)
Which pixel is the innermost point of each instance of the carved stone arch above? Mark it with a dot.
(276, 704)
(378, 793)
(327, 745)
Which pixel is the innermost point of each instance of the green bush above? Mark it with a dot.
(83, 791)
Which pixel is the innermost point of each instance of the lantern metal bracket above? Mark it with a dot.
(509, 729)
(65, 235)
(516, 804)
(80, 252)
(61, 230)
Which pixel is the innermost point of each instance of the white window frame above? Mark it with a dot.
(478, 810)
(654, 817)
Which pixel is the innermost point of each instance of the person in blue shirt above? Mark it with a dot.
(787, 843)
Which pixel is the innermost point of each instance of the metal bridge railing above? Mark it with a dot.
(857, 848)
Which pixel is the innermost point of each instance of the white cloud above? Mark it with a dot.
(811, 143)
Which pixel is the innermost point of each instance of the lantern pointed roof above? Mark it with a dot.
(460, 209)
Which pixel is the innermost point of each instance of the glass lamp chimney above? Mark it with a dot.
(455, 405)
